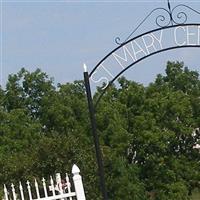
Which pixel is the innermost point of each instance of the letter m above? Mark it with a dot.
(127, 55)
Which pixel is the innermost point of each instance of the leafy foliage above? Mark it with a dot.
(148, 134)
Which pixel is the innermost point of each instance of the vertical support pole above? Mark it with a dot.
(95, 136)
(78, 184)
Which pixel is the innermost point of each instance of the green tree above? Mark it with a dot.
(147, 134)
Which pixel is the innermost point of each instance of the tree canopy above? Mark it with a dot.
(149, 135)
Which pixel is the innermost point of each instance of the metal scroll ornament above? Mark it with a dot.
(168, 17)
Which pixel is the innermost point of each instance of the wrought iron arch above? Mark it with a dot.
(169, 19)
(137, 61)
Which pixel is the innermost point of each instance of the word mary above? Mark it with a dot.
(143, 46)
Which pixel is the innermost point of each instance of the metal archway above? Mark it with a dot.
(172, 20)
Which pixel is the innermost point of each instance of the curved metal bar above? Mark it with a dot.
(182, 14)
(160, 17)
(151, 54)
(183, 5)
(158, 29)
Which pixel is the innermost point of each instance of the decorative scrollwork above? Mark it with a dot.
(117, 40)
(166, 18)
(163, 19)
(180, 17)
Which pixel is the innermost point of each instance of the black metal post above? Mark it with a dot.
(95, 137)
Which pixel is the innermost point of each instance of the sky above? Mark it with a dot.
(59, 36)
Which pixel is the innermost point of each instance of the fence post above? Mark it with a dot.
(78, 184)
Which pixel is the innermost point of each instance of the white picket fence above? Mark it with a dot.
(50, 190)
